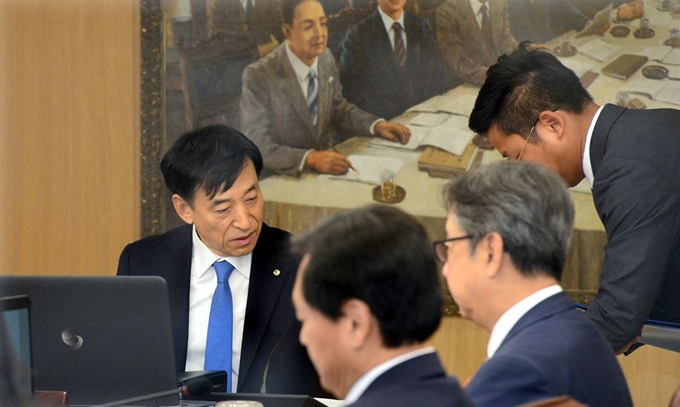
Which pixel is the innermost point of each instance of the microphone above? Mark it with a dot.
(194, 388)
(273, 353)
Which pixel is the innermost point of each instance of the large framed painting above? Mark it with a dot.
(194, 53)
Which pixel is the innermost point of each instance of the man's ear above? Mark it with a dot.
(552, 124)
(491, 248)
(183, 209)
(358, 323)
(286, 29)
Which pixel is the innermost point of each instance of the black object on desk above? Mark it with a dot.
(269, 400)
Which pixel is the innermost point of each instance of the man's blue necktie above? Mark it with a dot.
(220, 326)
(313, 96)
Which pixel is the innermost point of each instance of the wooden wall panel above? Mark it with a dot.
(73, 117)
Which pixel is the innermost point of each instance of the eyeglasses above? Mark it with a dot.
(519, 157)
(441, 250)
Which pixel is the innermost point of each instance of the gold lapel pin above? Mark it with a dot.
(277, 272)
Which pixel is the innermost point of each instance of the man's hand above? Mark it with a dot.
(327, 162)
(393, 132)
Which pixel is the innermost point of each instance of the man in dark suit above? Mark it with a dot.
(369, 298)
(508, 231)
(292, 105)
(390, 61)
(630, 160)
(472, 35)
(213, 175)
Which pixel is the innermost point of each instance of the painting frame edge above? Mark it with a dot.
(152, 85)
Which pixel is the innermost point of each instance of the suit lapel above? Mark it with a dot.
(326, 94)
(176, 270)
(263, 292)
(470, 22)
(290, 87)
(413, 45)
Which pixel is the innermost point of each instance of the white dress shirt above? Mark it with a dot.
(389, 22)
(202, 288)
(587, 165)
(360, 386)
(512, 315)
(477, 9)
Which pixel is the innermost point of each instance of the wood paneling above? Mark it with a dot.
(71, 131)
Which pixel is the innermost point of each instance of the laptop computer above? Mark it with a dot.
(15, 324)
(100, 339)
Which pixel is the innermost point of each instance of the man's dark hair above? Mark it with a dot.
(210, 158)
(288, 10)
(379, 255)
(523, 84)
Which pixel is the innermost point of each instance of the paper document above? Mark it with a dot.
(599, 50)
(429, 119)
(461, 105)
(663, 53)
(660, 90)
(448, 139)
(457, 122)
(368, 168)
(579, 68)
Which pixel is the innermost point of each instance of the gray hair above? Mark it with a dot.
(527, 204)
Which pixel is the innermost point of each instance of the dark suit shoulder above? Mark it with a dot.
(149, 256)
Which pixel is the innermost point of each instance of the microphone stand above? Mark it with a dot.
(273, 353)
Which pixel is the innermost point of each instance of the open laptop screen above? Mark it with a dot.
(16, 322)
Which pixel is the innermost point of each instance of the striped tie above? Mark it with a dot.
(486, 28)
(313, 96)
(218, 347)
(399, 49)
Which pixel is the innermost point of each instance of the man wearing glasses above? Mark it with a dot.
(508, 230)
(533, 108)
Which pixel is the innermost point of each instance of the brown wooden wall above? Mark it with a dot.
(69, 134)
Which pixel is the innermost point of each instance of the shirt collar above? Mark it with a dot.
(587, 165)
(388, 21)
(301, 69)
(512, 315)
(203, 258)
(360, 386)
(477, 6)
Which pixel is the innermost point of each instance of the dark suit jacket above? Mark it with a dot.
(369, 73)
(268, 312)
(634, 155)
(553, 350)
(557, 18)
(462, 43)
(275, 115)
(420, 381)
